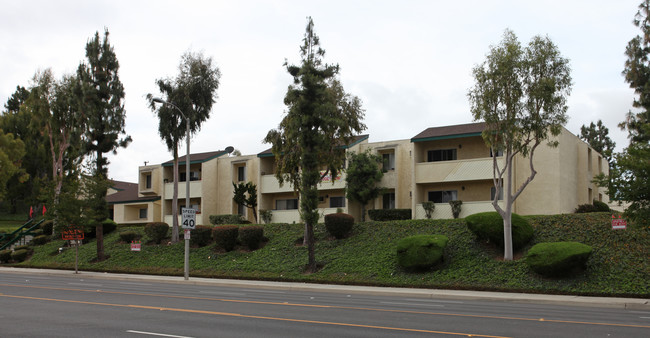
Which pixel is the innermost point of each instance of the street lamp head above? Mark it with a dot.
(229, 149)
(158, 100)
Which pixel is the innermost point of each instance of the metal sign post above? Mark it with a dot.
(74, 235)
(188, 223)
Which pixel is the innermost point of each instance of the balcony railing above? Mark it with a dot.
(196, 189)
(270, 184)
(455, 171)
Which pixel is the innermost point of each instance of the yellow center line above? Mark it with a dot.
(331, 306)
(228, 314)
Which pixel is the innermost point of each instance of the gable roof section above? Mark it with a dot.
(355, 140)
(127, 193)
(447, 132)
(196, 158)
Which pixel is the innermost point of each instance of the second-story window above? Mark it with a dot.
(241, 174)
(441, 155)
(388, 161)
(147, 183)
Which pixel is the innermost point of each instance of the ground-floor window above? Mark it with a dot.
(443, 196)
(337, 202)
(287, 204)
(143, 213)
(389, 200)
(493, 192)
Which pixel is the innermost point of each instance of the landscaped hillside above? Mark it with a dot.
(619, 265)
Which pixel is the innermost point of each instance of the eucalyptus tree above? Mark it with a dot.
(101, 101)
(520, 94)
(193, 91)
(320, 118)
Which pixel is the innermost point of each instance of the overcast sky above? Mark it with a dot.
(410, 62)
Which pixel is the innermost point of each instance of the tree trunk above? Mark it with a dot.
(175, 198)
(363, 212)
(507, 215)
(99, 229)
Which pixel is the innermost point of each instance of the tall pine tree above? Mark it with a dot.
(101, 101)
(320, 117)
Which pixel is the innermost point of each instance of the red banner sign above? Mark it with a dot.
(72, 234)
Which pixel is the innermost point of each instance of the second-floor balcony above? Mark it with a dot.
(455, 171)
(270, 184)
(196, 189)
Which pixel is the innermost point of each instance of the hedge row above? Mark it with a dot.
(381, 215)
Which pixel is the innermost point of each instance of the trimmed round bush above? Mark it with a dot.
(108, 226)
(201, 235)
(5, 256)
(339, 224)
(47, 227)
(157, 231)
(251, 236)
(420, 252)
(601, 206)
(129, 236)
(489, 226)
(225, 236)
(226, 219)
(557, 258)
(19, 255)
(41, 239)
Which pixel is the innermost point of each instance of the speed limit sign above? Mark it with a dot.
(189, 218)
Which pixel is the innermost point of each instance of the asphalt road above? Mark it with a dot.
(69, 305)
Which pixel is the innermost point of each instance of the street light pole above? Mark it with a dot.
(187, 181)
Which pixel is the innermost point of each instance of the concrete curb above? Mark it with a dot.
(607, 302)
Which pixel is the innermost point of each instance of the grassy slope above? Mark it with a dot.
(619, 265)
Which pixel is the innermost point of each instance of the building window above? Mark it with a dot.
(591, 196)
(389, 200)
(241, 209)
(443, 196)
(147, 180)
(600, 165)
(288, 204)
(337, 202)
(388, 161)
(589, 160)
(241, 174)
(143, 213)
(194, 176)
(441, 155)
(493, 191)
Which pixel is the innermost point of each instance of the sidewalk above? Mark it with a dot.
(607, 302)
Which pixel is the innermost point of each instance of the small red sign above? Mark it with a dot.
(618, 223)
(72, 234)
(136, 246)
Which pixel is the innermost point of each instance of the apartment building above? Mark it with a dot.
(439, 164)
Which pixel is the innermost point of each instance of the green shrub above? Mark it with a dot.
(47, 227)
(339, 224)
(29, 249)
(421, 251)
(19, 255)
(489, 226)
(5, 256)
(41, 239)
(157, 231)
(266, 216)
(389, 214)
(456, 207)
(201, 235)
(225, 236)
(585, 208)
(429, 207)
(37, 232)
(108, 226)
(251, 236)
(558, 258)
(601, 206)
(129, 236)
(226, 219)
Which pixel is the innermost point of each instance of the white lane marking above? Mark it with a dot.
(85, 284)
(156, 334)
(263, 291)
(434, 301)
(411, 304)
